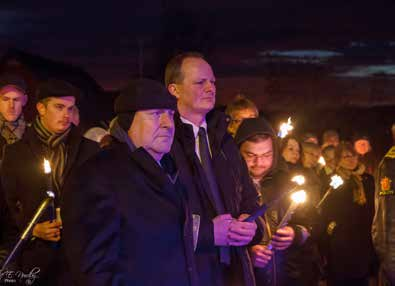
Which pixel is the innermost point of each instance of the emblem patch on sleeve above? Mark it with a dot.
(385, 184)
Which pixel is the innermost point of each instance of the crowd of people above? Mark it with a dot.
(166, 195)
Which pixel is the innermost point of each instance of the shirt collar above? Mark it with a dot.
(195, 128)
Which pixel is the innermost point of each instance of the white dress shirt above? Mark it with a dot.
(195, 133)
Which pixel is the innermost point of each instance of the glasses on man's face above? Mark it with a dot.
(254, 157)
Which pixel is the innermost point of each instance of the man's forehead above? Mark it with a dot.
(10, 90)
(196, 66)
(262, 146)
(65, 100)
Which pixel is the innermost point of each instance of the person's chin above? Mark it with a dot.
(11, 117)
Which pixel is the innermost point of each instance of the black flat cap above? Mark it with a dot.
(253, 126)
(57, 88)
(142, 94)
(12, 80)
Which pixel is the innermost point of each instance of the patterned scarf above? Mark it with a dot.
(57, 153)
(12, 131)
(356, 183)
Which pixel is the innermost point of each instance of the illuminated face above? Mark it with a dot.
(329, 157)
(153, 129)
(56, 113)
(291, 152)
(348, 160)
(196, 93)
(12, 101)
(362, 146)
(332, 141)
(310, 158)
(258, 156)
(237, 117)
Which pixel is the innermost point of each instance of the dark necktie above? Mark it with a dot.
(205, 159)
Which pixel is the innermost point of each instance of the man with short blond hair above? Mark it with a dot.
(239, 109)
(220, 191)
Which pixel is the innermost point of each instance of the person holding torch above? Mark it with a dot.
(258, 146)
(26, 181)
(347, 214)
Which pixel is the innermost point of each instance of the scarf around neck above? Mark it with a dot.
(355, 177)
(56, 151)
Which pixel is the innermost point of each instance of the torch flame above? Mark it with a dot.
(50, 194)
(285, 128)
(336, 181)
(299, 179)
(321, 161)
(299, 197)
(47, 167)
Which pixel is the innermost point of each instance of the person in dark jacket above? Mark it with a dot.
(258, 146)
(220, 190)
(383, 227)
(348, 214)
(24, 182)
(127, 220)
(13, 98)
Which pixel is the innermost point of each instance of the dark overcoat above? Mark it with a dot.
(127, 222)
(25, 184)
(237, 192)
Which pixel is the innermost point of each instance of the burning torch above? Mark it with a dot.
(285, 128)
(336, 182)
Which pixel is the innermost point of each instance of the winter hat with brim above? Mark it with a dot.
(10, 80)
(57, 88)
(141, 94)
(251, 127)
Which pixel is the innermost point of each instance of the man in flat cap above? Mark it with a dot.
(219, 187)
(25, 184)
(127, 221)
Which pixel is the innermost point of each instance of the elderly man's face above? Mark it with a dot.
(153, 129)
(12, 101)
(196, 92)
(56, 113)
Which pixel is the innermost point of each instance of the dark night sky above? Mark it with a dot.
(104, 38)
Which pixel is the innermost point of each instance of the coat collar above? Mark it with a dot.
(39, 150)
(216, 129)
(159, 175)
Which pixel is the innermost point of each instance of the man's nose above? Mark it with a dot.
(209, 86)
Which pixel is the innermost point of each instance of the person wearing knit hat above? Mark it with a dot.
(13, 98)
(258, 146)
(52, 137)
(137, 210)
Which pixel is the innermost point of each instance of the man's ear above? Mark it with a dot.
(41, 109)
(173, 89)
